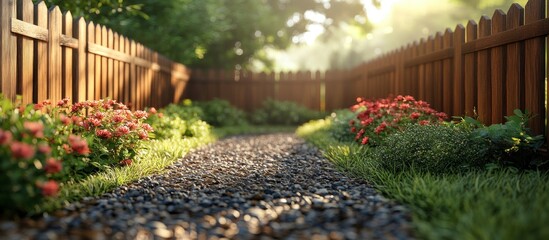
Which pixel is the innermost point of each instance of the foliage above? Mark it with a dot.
(283, 113)
(213, 33)
(340, 125)
(35, 153)
(510, 143)
(219, 113)
(113, 131)
(499, 203)
(430, 148)
(377, 119)
(185, 110)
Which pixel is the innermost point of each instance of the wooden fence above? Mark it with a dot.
(493, 67)
(46, 54)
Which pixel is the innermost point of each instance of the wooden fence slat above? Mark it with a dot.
(42, 85)
(458, 95)
(54, 54)
(67, 60)
(110, 66)
(80, 77)
(98, 66)
(483, 74)
(534, 69)
(447, 74)
(497, 70)
(26, 49)
(8, 53)
(514, 63)
(104, 65)
(438, 78)
(470, 72)
(116, 69)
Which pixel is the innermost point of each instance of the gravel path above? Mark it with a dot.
(246, 187)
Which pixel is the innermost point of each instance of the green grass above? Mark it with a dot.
(483, 204)
(153, 158)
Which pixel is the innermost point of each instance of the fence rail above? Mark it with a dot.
(492, 67)
(47, 54)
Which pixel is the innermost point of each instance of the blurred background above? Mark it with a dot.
(278, 35)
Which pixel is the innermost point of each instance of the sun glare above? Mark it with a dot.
(375, 14)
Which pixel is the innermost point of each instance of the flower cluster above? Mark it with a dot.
(114, 130)
(377, 119)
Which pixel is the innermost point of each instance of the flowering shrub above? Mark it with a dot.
(377, 119)
(112, 130)
(31, 158)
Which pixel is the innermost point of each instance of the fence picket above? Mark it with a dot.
(470, 69)
(483, 74)
(41, 74)
(26, 60)
(67, 58)
(497, 69)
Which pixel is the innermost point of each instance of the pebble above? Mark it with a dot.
(273, 186)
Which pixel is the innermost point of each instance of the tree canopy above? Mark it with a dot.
(217, 33)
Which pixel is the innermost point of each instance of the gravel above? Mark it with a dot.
(272, 186)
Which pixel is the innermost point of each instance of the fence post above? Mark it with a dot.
(498, 70)
(484, 94)
(447, 100)
(80, 87)
(67, 60)
(458, 81)
(515, 63)
(470, 72)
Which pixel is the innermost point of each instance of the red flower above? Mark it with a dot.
(46, 102)
(353, 129)
(365, 140)
(5, 137)
(424, 122)
(152, 110)
(125, 162)
(94, 122)
(99, 115)
(38, 106)
(53, 166)
(415, 115)
(35, 128)
(380, 128)
(67, 148)
(409, 98)
(78, 145)
(63, 103)
(50, 188)
(103, 133)
(132, 125)
(359, 99)
(121, 131)
(22, 150)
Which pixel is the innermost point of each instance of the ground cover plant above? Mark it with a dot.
(55, 153)
(276, 112)
(460, 181)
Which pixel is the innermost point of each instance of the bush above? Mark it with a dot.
(283, 113)
(431, 148)
(221, 113)
(377, 119)
(339, 128)
(185, 111)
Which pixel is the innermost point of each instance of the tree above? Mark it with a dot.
(217, 33)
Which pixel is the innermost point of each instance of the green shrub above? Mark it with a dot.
(185, 110)
(431, 148)
(284, 113)
(221, 113)
(339, 128)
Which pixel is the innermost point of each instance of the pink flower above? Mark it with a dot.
(143, 135)
(53, 166)
(147, 127)
(46, 102)
(50, 188)
(5, 137)
(132, 125)
(365, 140)
(152, 110)
(118, 118)
(64, 119)
(22, 150)
(359, 99)
(78, 145)
(67, 148)
(140, 114)
(35, 128)
(103, 133)
(44, 148)
(366, 122)
(121, 131)
(63, 103)
(99, 115)
(94, 122)
(409, 98)
(404, 106)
